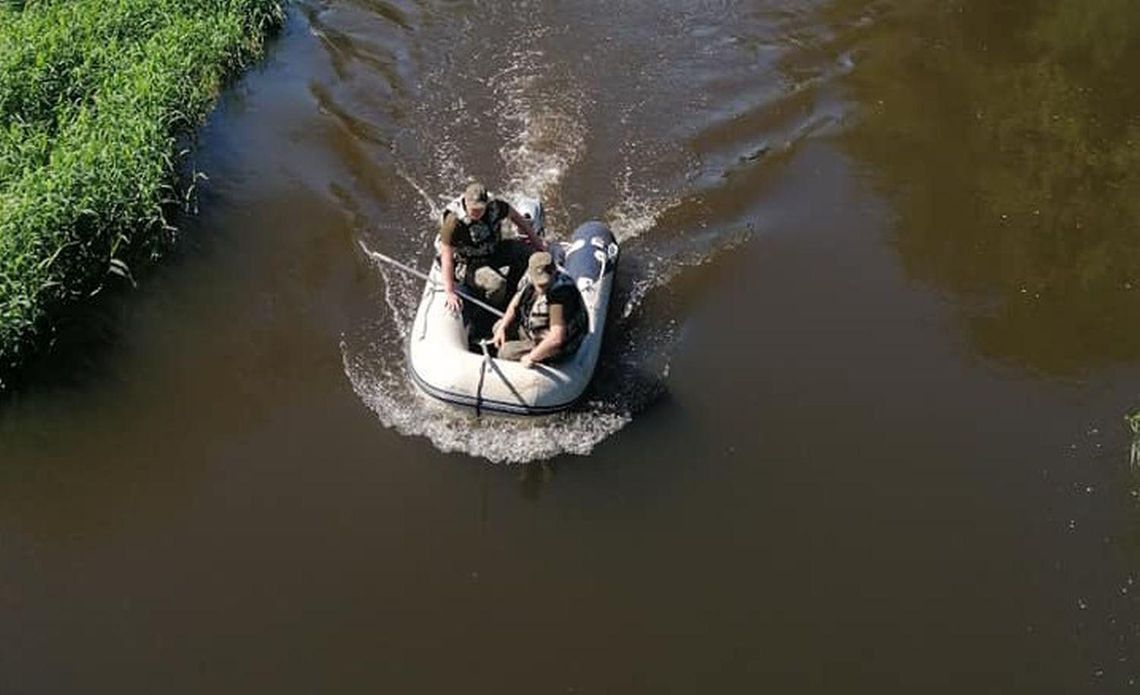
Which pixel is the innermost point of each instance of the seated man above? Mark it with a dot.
(546, 317)
(472, 247)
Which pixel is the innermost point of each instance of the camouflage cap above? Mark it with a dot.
(540, 268)
(475, 196)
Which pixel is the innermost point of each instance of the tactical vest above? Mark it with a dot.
(475, 240)
(534, 312)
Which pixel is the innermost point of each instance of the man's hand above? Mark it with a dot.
(526, 361)
(453, 302)
(499, 334)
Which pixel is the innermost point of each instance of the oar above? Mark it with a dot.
(424, 276)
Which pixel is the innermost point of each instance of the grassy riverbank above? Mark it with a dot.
(93, 94)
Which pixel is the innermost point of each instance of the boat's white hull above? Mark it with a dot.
(442, 367)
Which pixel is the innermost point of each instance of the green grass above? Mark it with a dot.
(93, 94)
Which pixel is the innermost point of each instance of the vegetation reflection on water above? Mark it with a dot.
(1006, 134)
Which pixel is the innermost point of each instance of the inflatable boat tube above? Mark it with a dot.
(442, 366)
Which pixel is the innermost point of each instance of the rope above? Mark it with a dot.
(482, 374)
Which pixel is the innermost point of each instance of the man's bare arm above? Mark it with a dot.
(525, 225)
(447, 263)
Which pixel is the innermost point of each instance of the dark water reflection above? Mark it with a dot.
(1007, 134)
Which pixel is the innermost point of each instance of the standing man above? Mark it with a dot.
(551, 319)
(472, 246)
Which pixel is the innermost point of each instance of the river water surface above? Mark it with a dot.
(858, 425)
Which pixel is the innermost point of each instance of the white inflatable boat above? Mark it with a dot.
(443, 366)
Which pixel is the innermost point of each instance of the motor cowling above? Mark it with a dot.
(531, 209)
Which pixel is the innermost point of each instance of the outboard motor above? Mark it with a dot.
(531, 209)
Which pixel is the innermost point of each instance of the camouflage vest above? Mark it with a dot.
(534, 312)
(475, 240)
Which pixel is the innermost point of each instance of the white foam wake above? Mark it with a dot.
(497, 439)
(543, 128)
(541, 122)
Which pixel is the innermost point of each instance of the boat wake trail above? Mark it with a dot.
(543, 129)
(541, 125)
(681, 151)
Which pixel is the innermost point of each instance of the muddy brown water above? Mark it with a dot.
(858, 426)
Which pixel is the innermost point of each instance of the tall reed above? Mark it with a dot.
(93, 94)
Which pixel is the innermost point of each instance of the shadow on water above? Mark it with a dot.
(79, 350)
(76, 354)
(1006, 134)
